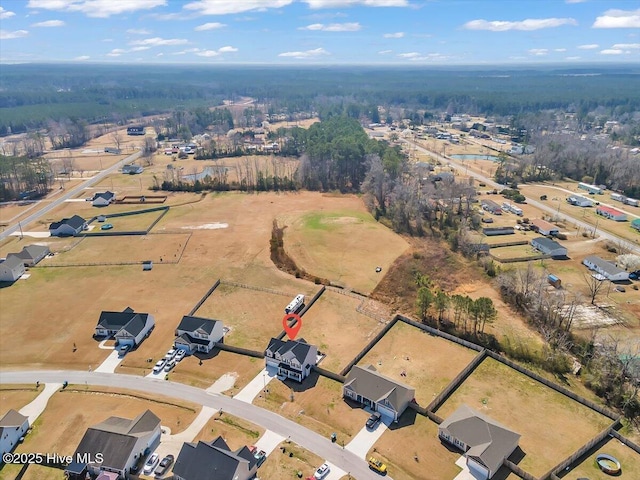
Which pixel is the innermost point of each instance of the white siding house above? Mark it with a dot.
(195, 334)
(13, 426)
(11, 269)
(293, 359)
(606, 269)
(549, 247)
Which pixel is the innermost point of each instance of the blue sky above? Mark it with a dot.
(395, 32)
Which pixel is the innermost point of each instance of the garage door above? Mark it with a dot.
(477, 470)
(387, 413)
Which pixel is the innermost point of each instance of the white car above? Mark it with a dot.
(180, 355)
(170, 354)
(169, 365)
(321, 472)
(151, 464)
(159, 366)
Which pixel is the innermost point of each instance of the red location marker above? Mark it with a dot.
(292, 331)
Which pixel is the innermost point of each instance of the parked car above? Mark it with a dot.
(487, 219)
(170, 354)
(373, 420)
(123, 350)
(377, 465)
(151, 463)
(180, 355)
(164, 465)
(169, 365)
(259, 455)
(321, 472)
(635, 275)
(106, 226)
(159, 366)
(620, 288)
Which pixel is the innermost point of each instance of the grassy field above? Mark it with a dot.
(429, 362)
(317, 404)
(343, 246)
(283, 465)
(516, 251)
(16, 396)
(235, 431)
(629, 460)
(551, 425)
(337, 329)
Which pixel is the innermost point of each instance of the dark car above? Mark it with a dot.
(164, 465)
(373, 420)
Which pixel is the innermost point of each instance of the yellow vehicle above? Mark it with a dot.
(377, 465)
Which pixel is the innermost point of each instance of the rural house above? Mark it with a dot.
(491, 207)
(580, 201)
(607, 269)
(544, 228)
(132, 169)
(293, 358)
(486, 444)
(122, 442)
(11, 269)
(611, 213)
(492, 231)
(195, 334)
(207, 460)
(127, 327)
(137, 130)
(13, 426)
(31, 254)
(549, 247)
(68, 227)
(380, 393)
(103, 199)
(636, 224)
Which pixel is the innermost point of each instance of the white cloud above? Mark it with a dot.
(627, 46)
(49, 23)
(538, 52)
(572, 58)
(524, 25)
(418, 57)
(209, 26)
(574, 1)
(139, 31)
(208, 53)
(6, 35)
(139, 49)
(160, 54)
(394, 35)
(116, 52)
(317, 52)
(96, 8)
(559, 49)
(224, 7)
(590, 46)
(188, 50)
(157, 41)
(385, 52)
(409, 55)
(333, 27)
(5, 13)
(227, 49)
(612, 51)
(82, 58)
(618, 19)
(349, 3)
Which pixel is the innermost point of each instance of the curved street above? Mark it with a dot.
(321, 446)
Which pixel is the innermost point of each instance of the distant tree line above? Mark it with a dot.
(24, 178)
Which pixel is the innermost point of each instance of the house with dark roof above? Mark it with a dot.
(607, 269)
(196, 334)
(132, 169)
(31, 254)
(120, 441)
(293, 359)
(486, 443)
(103, 199)
(13, 426)
(68, 227)
(382, 394)
(214, 460)
(127, 327)
(11, 269)
(136, 130)
(549, 247)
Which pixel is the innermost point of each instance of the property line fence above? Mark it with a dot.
(254, 287)
(519, 259)
(242, 351)
(204, 297)
(117, 233)
(293, 321)
(328, 374)
(360, 308)
(457, 381)
(440, 333)
(96, 264)
(633, 446)
(508, 244)
(369, 345)
(519, 471)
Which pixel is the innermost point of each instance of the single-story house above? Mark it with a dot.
(132, 169)
(11, 269)
(196, 334)
(549, 247)
(103, 199)
(491, 206)
(120, 441)
(68, 227)
(127, 327)
(611, 213)
(544, 228)
(486, 443)
(137, 130)
(214, 460)
(31, 254)
(606, 269)
(13, 426)
(382, 394)
(293, 358)
(492, 231)
(580, 201)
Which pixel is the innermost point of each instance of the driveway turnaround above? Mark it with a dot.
(257, 385)
(37, 406)
(341, 458)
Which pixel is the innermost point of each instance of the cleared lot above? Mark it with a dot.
(285, 465)
(235, 431)
(16, 396)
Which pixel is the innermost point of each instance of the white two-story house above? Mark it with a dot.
(293, 358)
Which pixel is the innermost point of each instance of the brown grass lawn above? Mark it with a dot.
(415, 435)
(16, 396)
(235, 431)
(433, 361)
(552, 426)
(34, 472)
(337, 329)
(60, 428)
(343, 246)
(629, 460)
(281, 465)
(317, 404)
(516, 251)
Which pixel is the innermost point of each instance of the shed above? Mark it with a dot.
(147, 265)
(553, 280)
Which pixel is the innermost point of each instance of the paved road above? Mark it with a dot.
(68, 194)
(553, 211)
(321, 446)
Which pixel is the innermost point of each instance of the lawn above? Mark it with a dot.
(551, 425)
(283, 465)
(16, 396)
(337, 329)
(516, 251)
(628, 458)
(235, 431)
(344, 246)
(430, 362)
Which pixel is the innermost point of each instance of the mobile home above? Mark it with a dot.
(580, 201)
(589, 188)
(611, 213)
(618, 197)
(632, 201)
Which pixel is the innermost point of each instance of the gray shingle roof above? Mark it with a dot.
(370, 384)
(298, 349)
(31, 252)
(211, 460)
(12, 261)
(12, 418)
(546, 243)
(603, 265)
(191, 324)
(74, 222)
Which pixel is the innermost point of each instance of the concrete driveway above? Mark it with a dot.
(365, 439)
(34, 409)
(255, 386)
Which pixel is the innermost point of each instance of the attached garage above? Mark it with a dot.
(478, 470)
